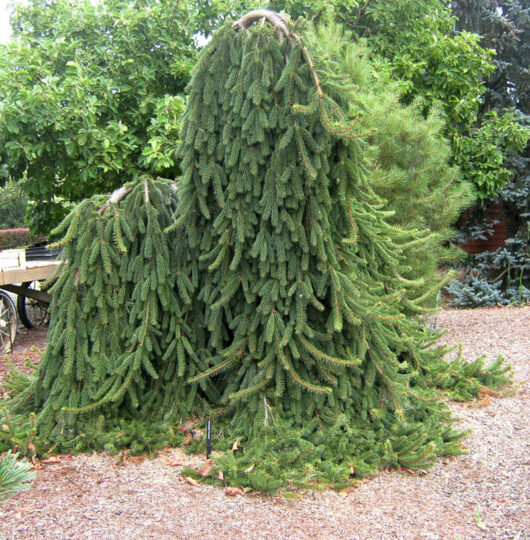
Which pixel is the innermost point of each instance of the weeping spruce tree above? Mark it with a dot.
(268, 289)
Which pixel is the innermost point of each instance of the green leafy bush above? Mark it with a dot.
(81, 87)
(13, 206)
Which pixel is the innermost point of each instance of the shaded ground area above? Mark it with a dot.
(480, 495)
(29, 344)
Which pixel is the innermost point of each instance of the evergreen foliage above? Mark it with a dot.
(420, 45)
(15, 475)
(501, 277)
(504, 26)
(111, 329)
(276, 300)
(409, 162)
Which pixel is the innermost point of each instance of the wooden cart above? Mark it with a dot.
(21, 271)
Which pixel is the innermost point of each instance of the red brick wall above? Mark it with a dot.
(500, 233)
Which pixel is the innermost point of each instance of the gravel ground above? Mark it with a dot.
(481, 495)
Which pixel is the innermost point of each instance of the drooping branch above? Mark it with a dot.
(119, 194)
(281, 24)
(116, 196)
(278, 21)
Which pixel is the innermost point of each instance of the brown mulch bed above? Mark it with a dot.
(479, 495)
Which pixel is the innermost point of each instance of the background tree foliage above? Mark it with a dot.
(13, 206)
(88, 93)
(504, 275)
(505, 27)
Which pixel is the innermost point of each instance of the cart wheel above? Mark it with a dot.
(8, 322)
(32, 313)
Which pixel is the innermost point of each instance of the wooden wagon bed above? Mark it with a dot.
(21, 274)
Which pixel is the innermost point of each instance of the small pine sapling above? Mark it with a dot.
(15, 475)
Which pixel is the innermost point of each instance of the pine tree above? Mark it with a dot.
(118, 337)
(409, 166)
(276, 299)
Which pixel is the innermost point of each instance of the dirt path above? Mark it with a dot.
(480, 495)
